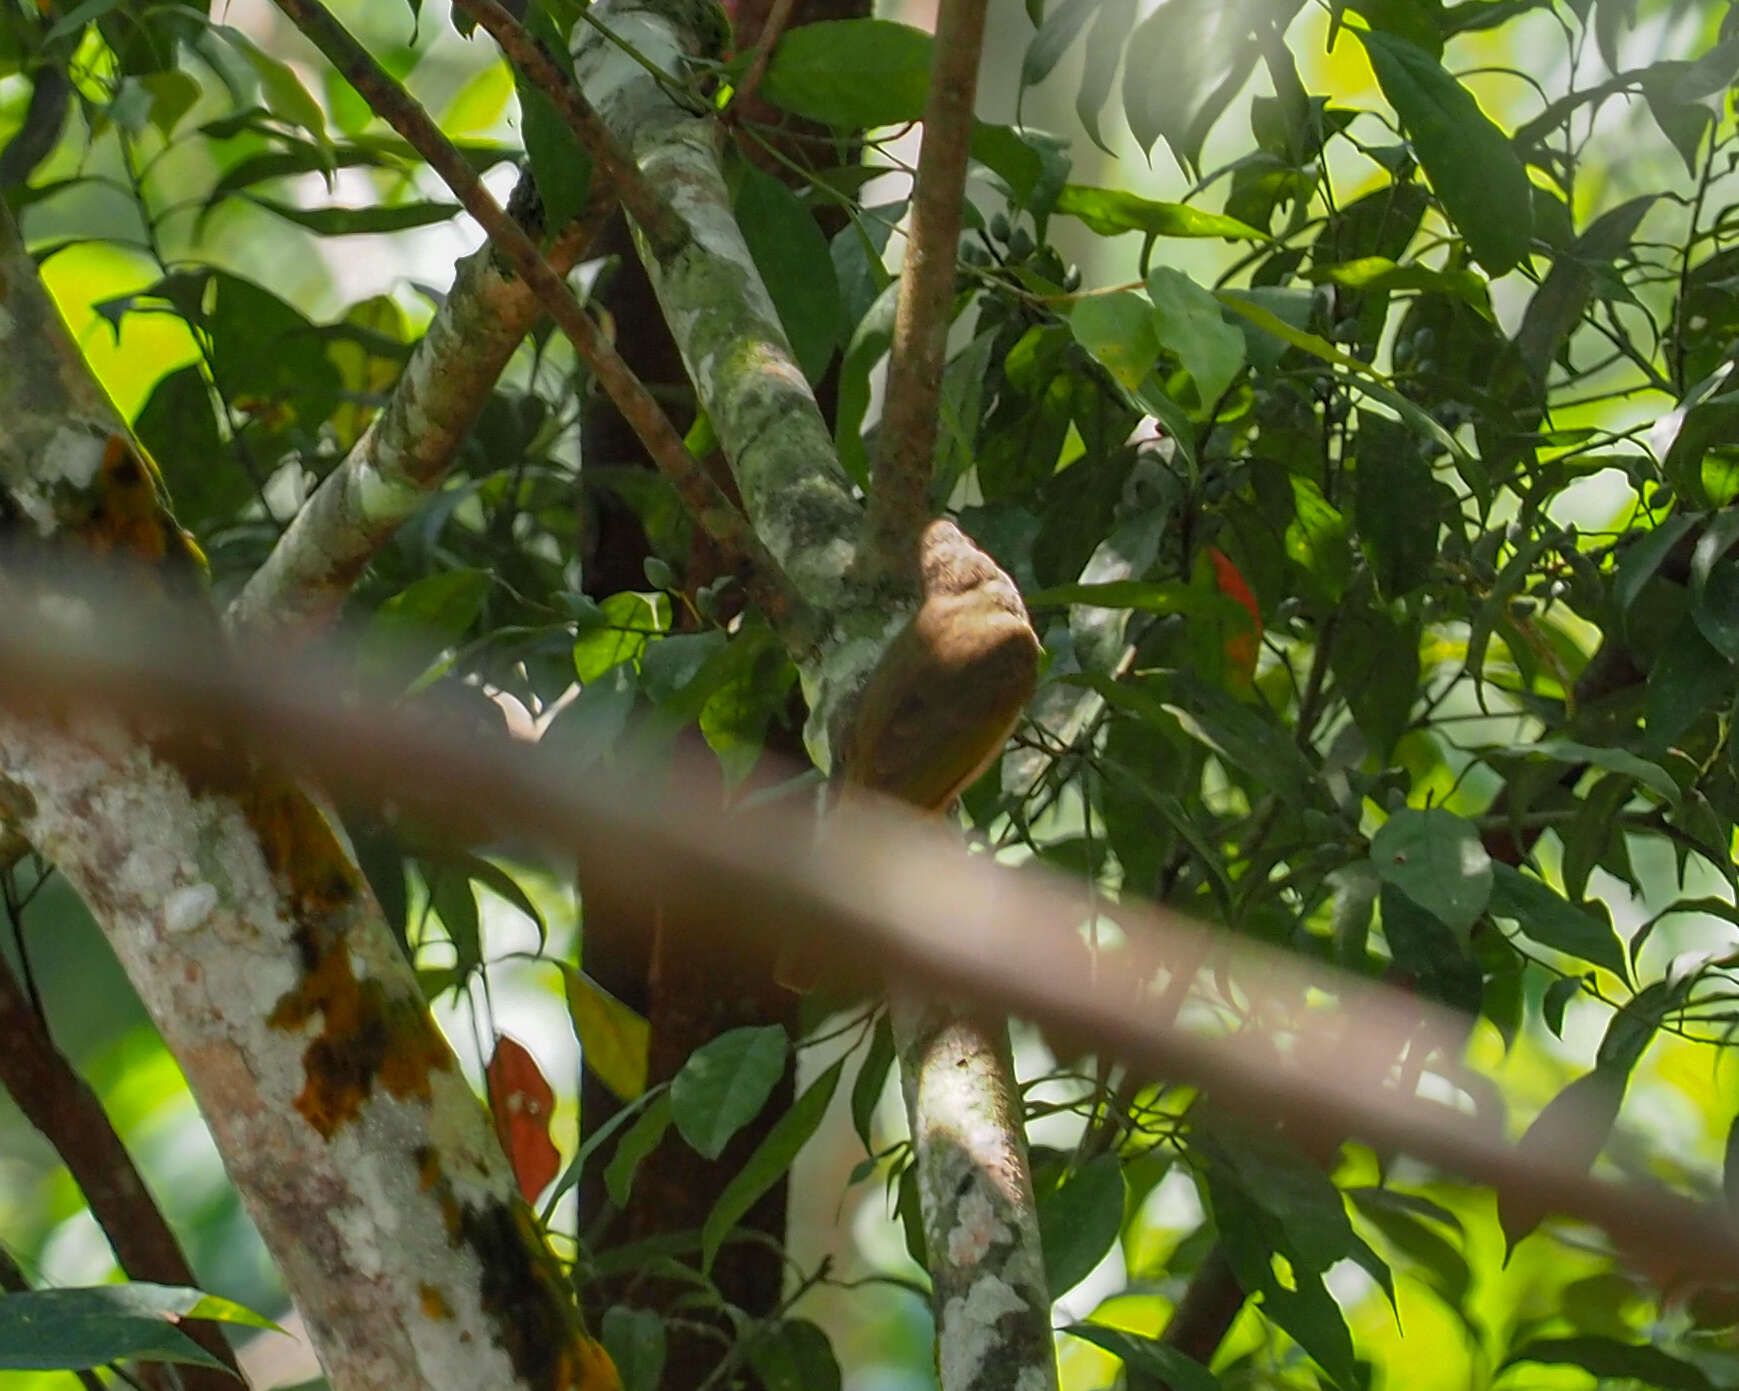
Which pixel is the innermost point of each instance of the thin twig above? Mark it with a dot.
(648, 207)
(765, 581)
(777, 19)
(899, 502)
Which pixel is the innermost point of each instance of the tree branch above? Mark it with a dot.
(899, 502)
(895, 900)
(766, 583)
(648, 207)
(57, 1101)
(356, 1143)
(408, 448)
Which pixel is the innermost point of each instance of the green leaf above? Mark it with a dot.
(76, 1329)
(635, 1340)
(1381, 275)
(638, 1141)
(344, 222)
(1688, 679)
(280, 88)
(629, 622)
(1650, 775)
(456, 906)
(409, 631)
(794, 260)
(1006, 153)
(1430, 954)
(1551, 920)
(613, 1038)
(1109, 211)
(1375, 661)
(872, 1079)
(1571, 1130)
(1060, 29)
(772, 1157)
(560, 165)
(1472, 167)
(1715, 584)
(725, 1083)
(1120, 331)
(1148, 1359)
(1609, 1359)
(1106, 42)
(1316, 541)
(1144, 596)
(795, 1356)
(1360, 376)
(851, 73)
(1079, 1221)
(1191, 323)
(1436, 859)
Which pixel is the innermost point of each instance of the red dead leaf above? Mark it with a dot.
(522, 1102)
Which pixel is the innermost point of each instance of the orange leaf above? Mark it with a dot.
(522, 1103)
(1241, 647)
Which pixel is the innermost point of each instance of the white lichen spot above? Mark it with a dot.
(1033, 1379)
(357, 1226)
(72, 456)
(189, 907)
(969, 1333)
(976, 1228)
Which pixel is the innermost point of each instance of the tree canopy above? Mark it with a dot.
(1258, 463)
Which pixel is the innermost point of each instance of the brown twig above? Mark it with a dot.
(648, 207)
(765, 581)
(777, 18)
(57, 1101)
(899, 503)
(897, 901)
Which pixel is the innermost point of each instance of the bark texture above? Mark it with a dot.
(238, 912)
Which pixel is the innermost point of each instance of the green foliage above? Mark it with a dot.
(1376, 502)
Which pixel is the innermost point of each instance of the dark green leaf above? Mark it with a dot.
(1109, 211)
(795, 1356)
(793, 257)
(1688, 679)
(725, 1083)
(1191, 324)
(638, 1141)
(772, 1157)
(851, 73)
(75, 1329)
(344, 222)
(1571, 1131)
(872, 1079)
(1470, 163)
(635, 1340)
(1436, 859)
(1148, 1359)
(1607, 1358)
(1079, 1221)
(1553, 921)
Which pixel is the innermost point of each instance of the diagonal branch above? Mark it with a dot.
(893, 896)
(648, 207)
(408, 448)
(765, 582)
(899, 503)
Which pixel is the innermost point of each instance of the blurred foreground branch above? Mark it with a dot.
(897, 900)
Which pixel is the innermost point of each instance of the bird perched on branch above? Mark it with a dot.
(946, 694)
